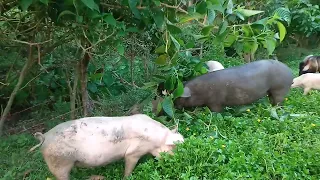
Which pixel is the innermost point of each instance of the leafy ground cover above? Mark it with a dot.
(249, 142)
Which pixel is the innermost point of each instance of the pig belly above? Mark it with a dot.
(100, 154)
(240, 96)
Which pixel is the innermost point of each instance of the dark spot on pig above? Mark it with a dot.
(104, 133)
(83, 123)
(143, 138)
(74, 128)
(118, 135)
(146, 129)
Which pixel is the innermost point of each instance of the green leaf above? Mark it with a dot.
(223, 27)
(158, 17)
(120, 49)
(169, 83)
(274, 113)
(270, 45)
(64, 13)
(132, 29)
(284, 14)
(157, 2)
(161, 49)
(211, 16)
(167, 106)
(173, 29)
(79, 19)
(110, 20)
(202, 7)
(190, 16)
(206, 30)
(190, 44)
(229, 7)
(162, 59)
(45, 2)
(92, 87)
(239, 15)
(133, 7)
(179, 90)
(149, 85)
(282, 31)
(25, 4)
(230, 39)
(175, 42)
(108, 79)
(91, 4)
(248, 12)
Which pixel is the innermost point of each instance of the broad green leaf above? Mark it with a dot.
(246, 29)
(282, 31)
(255, 46)
(132, 29)
(91, 4)
(175, 42)
(64, 13)
(158, 17)
(229, 7)
(274, 113)
(120, 49)
(284, 14)
(223, 27)
(270, 44)
(247, 46)
(217, 7)
(79, 19)
(202, 7)
(161, 49)
(133, 7)
(230, 39)
(263, 21)
(149, 85)
(157, 2)
(162, 59)
(211, 16)
(173, 29)
(169, 83)
(92, 87)
(25, 4)
(190, 16)
(179, 90)
(45, 2)
(110, 20)
(167, 106)
(239, 15)
(108, 79)
(248, 12)
(206, 30)
(190, 44)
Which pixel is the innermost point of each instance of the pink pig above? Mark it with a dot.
(98, 141)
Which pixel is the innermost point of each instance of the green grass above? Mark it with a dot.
(249, 142)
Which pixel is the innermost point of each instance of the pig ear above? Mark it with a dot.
(307, 66)
(172, 138)
(186, 92)
(175, 129)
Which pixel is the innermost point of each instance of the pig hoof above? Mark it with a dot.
(97, 177)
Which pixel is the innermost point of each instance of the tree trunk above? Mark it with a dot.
(23, 73)
(73, 91)
(84, 81)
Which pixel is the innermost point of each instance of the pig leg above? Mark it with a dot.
(59, 166)
(130, 162)
(215, 108)
(276, 97)
(306, 90)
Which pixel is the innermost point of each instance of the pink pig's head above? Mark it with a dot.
(169, 143)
